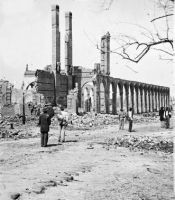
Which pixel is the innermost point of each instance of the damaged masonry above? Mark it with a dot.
(78, 88)
(78, 133)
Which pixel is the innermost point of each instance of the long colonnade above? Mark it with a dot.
(109, 95)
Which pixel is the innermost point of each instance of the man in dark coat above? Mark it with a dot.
(162, 116)
(44, 123)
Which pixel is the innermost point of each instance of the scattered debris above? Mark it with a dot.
(142, 142)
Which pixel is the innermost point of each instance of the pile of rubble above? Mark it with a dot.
(93, 120)
(142, 143)
(12, 127)
(147, 117)
(89, 120)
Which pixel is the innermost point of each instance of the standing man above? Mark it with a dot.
(62, 117)
(130, 118)
(162, 116)
(121, 119)
(44, 123)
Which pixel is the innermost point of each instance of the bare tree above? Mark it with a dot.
(159, 38)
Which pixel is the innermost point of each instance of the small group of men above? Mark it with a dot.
(165, 115)
(123, 116)
(61, 117)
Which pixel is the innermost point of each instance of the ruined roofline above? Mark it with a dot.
(30, 73)
(142, 83)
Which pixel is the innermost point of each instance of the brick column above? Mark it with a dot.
(114, 98)
(149, 101)
(137, 100)
(146, 110)
(121, 99)
(141, 100)
(132, 98)
(107, 99)
(168, 97)
(153, 97)
(161, 94)
(164, 98)
(97, 97)
(156, 100)
(127, 100)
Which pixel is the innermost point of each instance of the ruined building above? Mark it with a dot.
(5, 92)
(93, 90)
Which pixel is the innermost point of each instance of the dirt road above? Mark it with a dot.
(85, 168)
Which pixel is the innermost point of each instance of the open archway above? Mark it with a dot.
(110, 98)
(139, 101)
(124, 98)
(135, 100)
(118, 99)
(92, 105)
(102, 98)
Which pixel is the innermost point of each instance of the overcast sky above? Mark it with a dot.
(25, 36)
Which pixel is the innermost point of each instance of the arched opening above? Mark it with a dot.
(110, 98)
(147, 99)
(130, 97)
(102, 99)
(124, 99)
(144, 102)
(118, 99)
(92, 103)
(86, 99)
(135, 100)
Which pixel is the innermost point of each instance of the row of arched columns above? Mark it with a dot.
(112, 94)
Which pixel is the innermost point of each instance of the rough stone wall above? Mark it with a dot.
(45, 85)
(61, 89)
(5, 92)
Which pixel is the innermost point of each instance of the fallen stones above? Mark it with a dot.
(51, 183)
(39, 190)
(142, 142)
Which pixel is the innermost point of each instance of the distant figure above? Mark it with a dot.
(44, 123)
(62, 118)
(167, 117)
(162, 116)
(130, 119)
(122, 116)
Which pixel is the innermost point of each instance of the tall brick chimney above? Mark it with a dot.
(56, 67)
(68, 42)
(105, 54)
(55, 39)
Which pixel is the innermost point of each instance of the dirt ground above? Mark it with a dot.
(85, 168)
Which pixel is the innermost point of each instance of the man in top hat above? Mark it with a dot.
(44, 123)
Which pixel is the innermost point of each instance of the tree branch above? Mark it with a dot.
(161, 17)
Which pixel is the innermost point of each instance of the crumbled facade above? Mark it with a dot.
(96, 89)
(5, 92)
